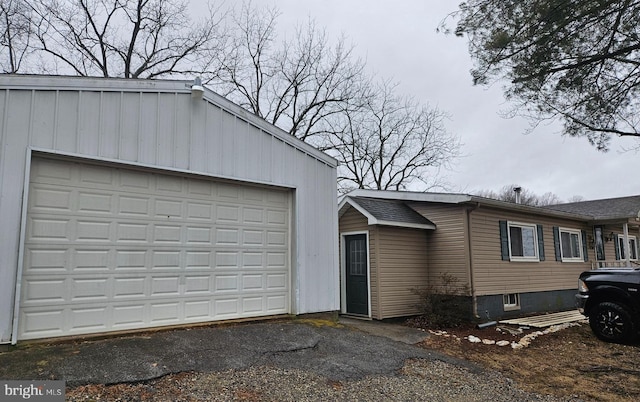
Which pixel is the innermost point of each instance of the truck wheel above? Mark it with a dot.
(612, 322)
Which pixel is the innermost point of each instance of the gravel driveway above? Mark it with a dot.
(261, 361)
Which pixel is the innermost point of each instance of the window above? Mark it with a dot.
(511, 301)
(523, 242)
(571, 245)
(633, 248)
(598, 233)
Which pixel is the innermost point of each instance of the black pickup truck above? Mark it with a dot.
(611, 300)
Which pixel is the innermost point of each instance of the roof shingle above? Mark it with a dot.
(391, 211)
(611, 208)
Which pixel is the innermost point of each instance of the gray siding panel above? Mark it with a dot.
(158, 124)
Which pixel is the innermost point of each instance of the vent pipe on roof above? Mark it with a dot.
(518, 191)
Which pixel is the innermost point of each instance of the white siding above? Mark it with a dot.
(158, 124)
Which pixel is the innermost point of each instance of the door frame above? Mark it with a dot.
(343, 271)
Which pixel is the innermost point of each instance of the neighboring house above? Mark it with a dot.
(514, 258)
(128, 204)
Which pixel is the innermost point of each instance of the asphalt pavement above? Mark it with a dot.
(337, 351)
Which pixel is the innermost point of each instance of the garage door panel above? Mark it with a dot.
(112, 249)
(200, 236)
(53, 171)
(96, 175)
(44, 291)
(129, 288)
(199, 211)
(133, 206)
(89, 319)
(96, 202)
(49, 228)
(46, 261)
(56, 199)
(89, 289)
(253, 260)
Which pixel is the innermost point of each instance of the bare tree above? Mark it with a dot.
(507, 193)
(15, 28)
(295, 84)
(575, 198)
(390, 143)
(125, 38)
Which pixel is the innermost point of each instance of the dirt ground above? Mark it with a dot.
(570, 362)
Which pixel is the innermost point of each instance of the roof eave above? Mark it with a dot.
(403, 224)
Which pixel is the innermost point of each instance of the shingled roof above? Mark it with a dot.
(389, 212)
(611, 208)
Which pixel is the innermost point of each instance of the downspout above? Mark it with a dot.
(474, 298)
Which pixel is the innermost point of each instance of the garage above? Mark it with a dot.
(134, 204)
(111, 248)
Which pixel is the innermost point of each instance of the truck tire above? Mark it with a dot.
(612, 322)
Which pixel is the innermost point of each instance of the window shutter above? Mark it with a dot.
(556, 242)
(585, 250)
(540, 243)
(616, 246)
(504, 240)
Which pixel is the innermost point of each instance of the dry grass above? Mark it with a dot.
(570, 362)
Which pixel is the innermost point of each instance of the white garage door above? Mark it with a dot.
(111, 248)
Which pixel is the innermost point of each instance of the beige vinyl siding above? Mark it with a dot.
(491, 275)
(447, 246)
(403, 266)
(354, 221)
(610, 246)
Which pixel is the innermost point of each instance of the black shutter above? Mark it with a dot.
(540, 243)
(616, 246)
(556, 242)
(585, 250)
(504, 241)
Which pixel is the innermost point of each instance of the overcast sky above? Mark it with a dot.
(398, 39)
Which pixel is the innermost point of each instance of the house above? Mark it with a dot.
(514, 259)
(129, 204)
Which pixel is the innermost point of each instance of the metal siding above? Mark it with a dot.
(67, 123)
(182, 140)
(129, 126)
(41, 130)
(148, 133)
(303, 225)
(15, 125)
(109, 134)
(83, 125)
(167, 133)
(226, 143)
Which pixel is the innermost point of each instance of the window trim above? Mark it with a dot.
(577, 232)
(506, 306)
(521, 225)
(620, 250)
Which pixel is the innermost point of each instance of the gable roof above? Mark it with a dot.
(621, 208)
(386, 212)
(606, 209)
